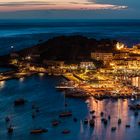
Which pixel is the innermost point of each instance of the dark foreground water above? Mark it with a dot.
(41, 91)
(26, 33)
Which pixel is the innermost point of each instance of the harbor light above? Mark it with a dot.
(41, 74)
(112, 64)
(28, 57)
(21, 79)
(12, 47)
(119, 46)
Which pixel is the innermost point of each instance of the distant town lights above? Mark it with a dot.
(12, 47)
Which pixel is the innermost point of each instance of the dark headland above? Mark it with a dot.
(79, 59)
(67, 48)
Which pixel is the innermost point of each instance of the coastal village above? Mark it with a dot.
(116, 75)
(105, 75)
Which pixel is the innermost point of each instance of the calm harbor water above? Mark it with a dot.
(41, 91)
(3, 69)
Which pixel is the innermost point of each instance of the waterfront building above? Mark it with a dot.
(87, 64)
(105, 57)
(136, 49)
(129, 63)
(53, 63)
(121, 55)
(14, 55)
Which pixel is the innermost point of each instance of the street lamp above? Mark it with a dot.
(12, 48)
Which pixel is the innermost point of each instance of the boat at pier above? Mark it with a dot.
(113, 129)
(38, 131)
(92, 122)
(65, 131)
(7, 119)
(65, 85)
(20, 101)
(65, 113)
(86, 121)
(134, 107)
(119, 121)
(55, 123)
(77, 94)
(10, 129)
(127, 126)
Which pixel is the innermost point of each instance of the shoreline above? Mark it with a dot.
(74, 94)
(90, 72)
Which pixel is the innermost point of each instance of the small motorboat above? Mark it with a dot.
(55, 123)
(33, 115)
(86, 121)
(37, 110)
(102, 119)
(19, 102)
(65, 114)
(10, 129)
(102, 113)
(75, 119)
(92, 122)
(119, 121)
(105, 121)
(65, 131)
(113, 129)
(7, 119)
(92, 111)
(38, 131)
(127, 126)
(134, 107)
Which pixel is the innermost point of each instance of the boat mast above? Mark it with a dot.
(65, 105)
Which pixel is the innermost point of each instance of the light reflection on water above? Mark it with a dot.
(2, 84)
(21, 79)
(42, 92)
(136, 82)
(116, 109)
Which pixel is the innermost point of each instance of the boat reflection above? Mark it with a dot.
(136, 81)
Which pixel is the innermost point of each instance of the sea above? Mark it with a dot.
(26, 33)
(40, 89)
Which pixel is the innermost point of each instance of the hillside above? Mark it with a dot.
(69, 48)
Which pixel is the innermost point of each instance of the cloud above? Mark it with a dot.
(57, 5)
(25, 3)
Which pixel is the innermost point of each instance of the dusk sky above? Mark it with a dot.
(71, 9)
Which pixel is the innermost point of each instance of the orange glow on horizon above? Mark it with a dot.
(10, 5)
